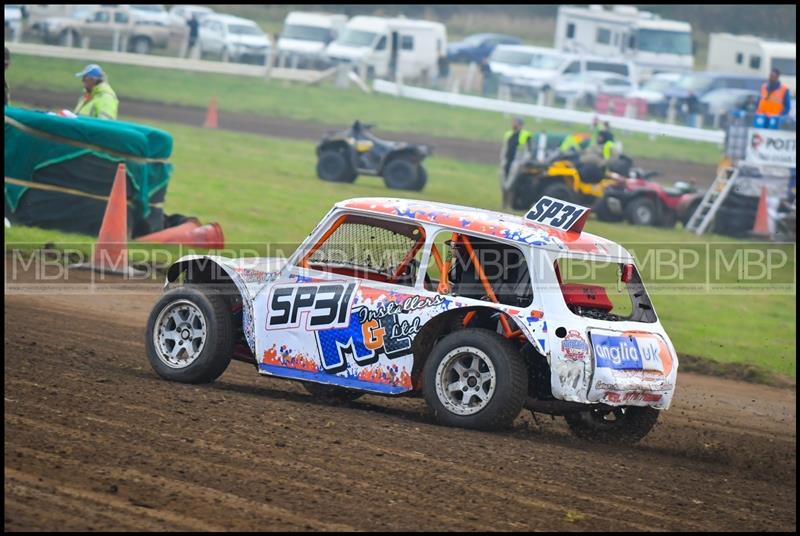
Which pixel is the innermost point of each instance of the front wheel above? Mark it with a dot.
(624, 424)
(141, 45)
(558, 190)
(474, 378)
(401, 174)
(189, 335)
(641, 211)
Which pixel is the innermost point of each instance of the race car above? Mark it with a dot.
(480, 313)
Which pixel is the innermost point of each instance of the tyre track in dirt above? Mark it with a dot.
(85, 413)
(481, 152)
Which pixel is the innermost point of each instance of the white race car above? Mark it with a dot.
(480, 312)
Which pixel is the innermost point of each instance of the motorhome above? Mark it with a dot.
(748, 54)
(304, 38)
(391, 47)
(654, 44)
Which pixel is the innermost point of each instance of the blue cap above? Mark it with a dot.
(91, 70)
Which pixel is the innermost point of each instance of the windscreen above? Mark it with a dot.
(665, 42)
(242, 29)
(306, 33)
(357, 38)
(512, 57)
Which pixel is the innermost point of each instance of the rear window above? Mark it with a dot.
(787, 66)
(595, 289)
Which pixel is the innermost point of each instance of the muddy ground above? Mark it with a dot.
(467, 150)
(94, 440)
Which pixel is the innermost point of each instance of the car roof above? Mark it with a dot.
(498, 225)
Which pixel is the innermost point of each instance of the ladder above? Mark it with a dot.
(716, 194)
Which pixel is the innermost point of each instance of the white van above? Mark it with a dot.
(304, 38)
(387, 47)
(748, 54)
(528, 70)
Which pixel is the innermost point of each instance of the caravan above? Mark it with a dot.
(396, 47)
(751, 55)
(654, 44)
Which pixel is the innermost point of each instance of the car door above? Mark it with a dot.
(99, 29)
(339, 312)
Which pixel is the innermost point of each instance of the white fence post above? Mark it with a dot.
(671, 111)
(84, 41)
(115, 41)
(470, 76)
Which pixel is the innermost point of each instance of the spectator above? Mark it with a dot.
(443, 65)
(8, 62)
(692, 110)
(98, 100)
(750, 105)
(775, 98)
(514, 138)
(193, 24)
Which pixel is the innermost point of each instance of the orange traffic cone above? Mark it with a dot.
(111, 249)
(189, 234)
(211, 115)
(761, 226)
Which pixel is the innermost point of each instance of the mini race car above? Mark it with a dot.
(481, 313)
(342, 156)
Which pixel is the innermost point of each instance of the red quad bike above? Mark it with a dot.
(642, 201)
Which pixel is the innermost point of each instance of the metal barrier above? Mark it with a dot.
(654, 129)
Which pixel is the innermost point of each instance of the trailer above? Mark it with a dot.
(654, 44)
(748, 54)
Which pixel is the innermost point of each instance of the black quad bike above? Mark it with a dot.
(342, 156)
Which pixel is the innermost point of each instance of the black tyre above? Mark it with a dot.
(641, 211)
(474, 378)
(422, 179)
(626, 424)
(333, 166)
(605, 214)
(690, 211)
(401, 174)
(332, 393)
(558, 190)
(189, 335)
(69, 38)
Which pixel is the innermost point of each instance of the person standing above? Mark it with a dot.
(514, 139)
(98, 99)
(775, 99)
(194, 25)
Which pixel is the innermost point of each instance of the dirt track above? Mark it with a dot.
(95, 440)
(468, 150)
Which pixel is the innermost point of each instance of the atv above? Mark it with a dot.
(342, 156)
(641, 201)
(565, 176)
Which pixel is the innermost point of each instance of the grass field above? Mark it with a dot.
(325, 104)
(264, 190)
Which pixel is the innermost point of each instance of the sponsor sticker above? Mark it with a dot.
(621, 352)
(574, 346)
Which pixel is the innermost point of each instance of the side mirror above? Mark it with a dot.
(627, 273)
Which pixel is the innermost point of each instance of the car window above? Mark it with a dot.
(381, 44)
(608, 67)
(101, 16)
(120, 17)
(573, 68)
(407, 42)
(369, 248)
(496, 272)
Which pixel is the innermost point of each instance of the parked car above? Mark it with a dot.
(151, 13)
(516, 312)
(652, 90)
(584, 87)
(477, 47)
(724, 100)
(101, 24)
(699, 84)
(234, 39)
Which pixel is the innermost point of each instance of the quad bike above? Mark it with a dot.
(342, 156)
(642, 201)
(565, 176)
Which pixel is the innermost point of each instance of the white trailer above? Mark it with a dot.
(748, 54)
(654, 44)
(402, 47)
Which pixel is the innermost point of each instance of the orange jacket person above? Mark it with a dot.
(775, 98)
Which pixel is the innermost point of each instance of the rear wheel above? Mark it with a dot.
(189, 335)
(474, 378)
(625, 424)
(141, 45)
(402, 174)
(333, 166)
(641, 211)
